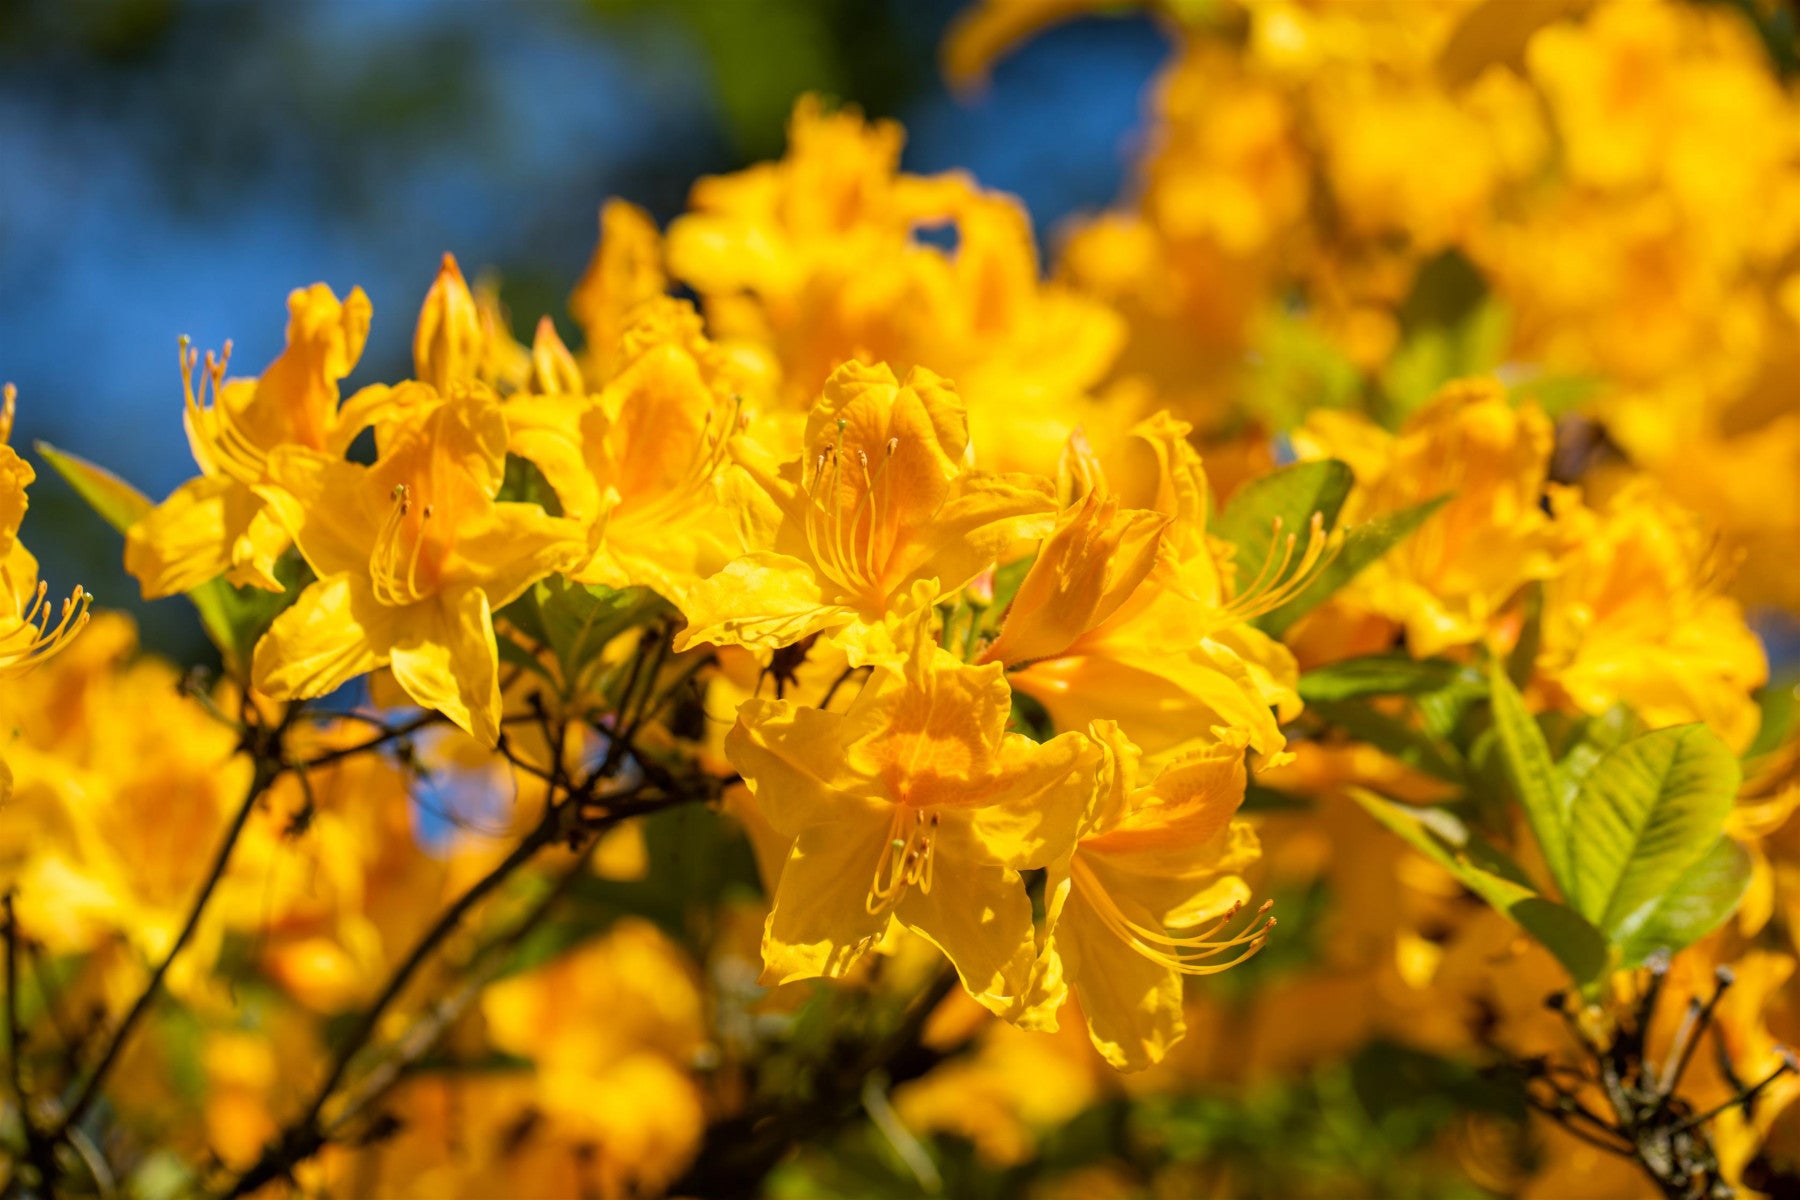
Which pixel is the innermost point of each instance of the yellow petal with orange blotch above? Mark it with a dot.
(1096, 558)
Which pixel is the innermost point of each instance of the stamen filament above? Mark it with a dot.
(1187, 954)
(906, 859)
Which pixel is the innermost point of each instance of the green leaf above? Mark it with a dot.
(1589, 741)
(576, 621)
(1521, 661)
(1558, 394)
(1030, 718)
(1363, 544)
(233, 617)
(1008, 577)
(516, 655)
(1533, 775)
(1383, 675)
(1260, 799)
(1779, 700)
(1692, 907)
(1291, 495)
(1451, 325)
(1294, 370)
(1393, 737)
(1441, 837)
(118, 503)
(1646, 814)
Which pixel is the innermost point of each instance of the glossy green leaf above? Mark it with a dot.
(1646, 814)
(1533, 774)
(1694, 905)
(1779, 702)
(235, 617)
(1484, 870)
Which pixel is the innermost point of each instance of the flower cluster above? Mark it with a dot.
(1348, 526)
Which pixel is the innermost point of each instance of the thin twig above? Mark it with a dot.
(425, 1032)
(392, 733)
(264, 775)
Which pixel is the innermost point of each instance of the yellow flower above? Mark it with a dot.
(27, 636)
(817, 260)
(882, 500)
(626, 271)
(1152, 857)
(1015, 1086)
(413, 554)
(1127, 615)
(645, 461)
(612, 1026)
(913, 805)
(1449, 581)
(461, 336)
(1634, 615)
(216, 524)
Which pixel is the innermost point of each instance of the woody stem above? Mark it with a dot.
(268, 769)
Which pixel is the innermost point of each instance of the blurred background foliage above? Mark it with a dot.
(177, 166)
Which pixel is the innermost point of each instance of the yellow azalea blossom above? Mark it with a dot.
(217, 524)
(626, 270)
(461, 336)
(818, 260)
(645, 462)
(914, 805)
(1152, 857)
(883, 500)
(27, 636)
(1634, 615)
(448, 340)
(1127, 614)
(612, 1026)
(412, 554)
(1012, 1088)
(1448, 582)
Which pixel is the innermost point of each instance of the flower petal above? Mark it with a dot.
(447, 660)
(977, 913)
(764, 601)
(334, 632)
(820, 924)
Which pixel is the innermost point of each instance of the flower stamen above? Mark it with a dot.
(906, 858)
(1188, 954)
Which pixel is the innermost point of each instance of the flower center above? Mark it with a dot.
(407, 560)
(850, 525)
(683, 495)
(906, 858)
